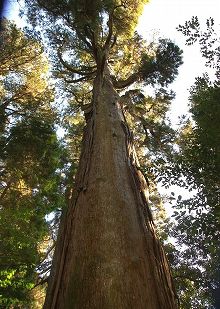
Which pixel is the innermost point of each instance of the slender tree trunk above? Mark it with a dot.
(107, 254)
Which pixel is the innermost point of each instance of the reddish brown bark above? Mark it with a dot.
(107, 254)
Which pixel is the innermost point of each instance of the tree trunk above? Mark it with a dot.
(107, 254)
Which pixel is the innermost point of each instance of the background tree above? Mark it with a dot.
(195, 166)
(30, 181)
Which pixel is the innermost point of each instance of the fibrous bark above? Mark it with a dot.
(108, 255)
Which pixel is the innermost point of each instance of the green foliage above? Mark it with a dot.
(201, 140)
(29, 191)
(15, 45)
(24, 90)
(207, 39)
(19, 252)
(90, 34)
(162, 67)
(35, 143)
(30, 163)
(87, 15)
(194, 165)
(189, 278)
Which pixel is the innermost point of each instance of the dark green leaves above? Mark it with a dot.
(163, 67)
(206, 37)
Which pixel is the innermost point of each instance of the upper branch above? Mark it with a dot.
(120, 84)
(110, 32)
(77, 80)
(110, 29)
(72, 68)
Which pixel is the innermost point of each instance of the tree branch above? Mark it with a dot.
(110, 32)
(15, 97)
(6, 188)
(82, 37)
(48, 252)
(120, 84)
(41, 282)
(71, 68)
(77, 80)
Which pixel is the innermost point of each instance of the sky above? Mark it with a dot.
(162, 17)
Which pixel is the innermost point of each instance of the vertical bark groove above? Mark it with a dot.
(140, 185)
